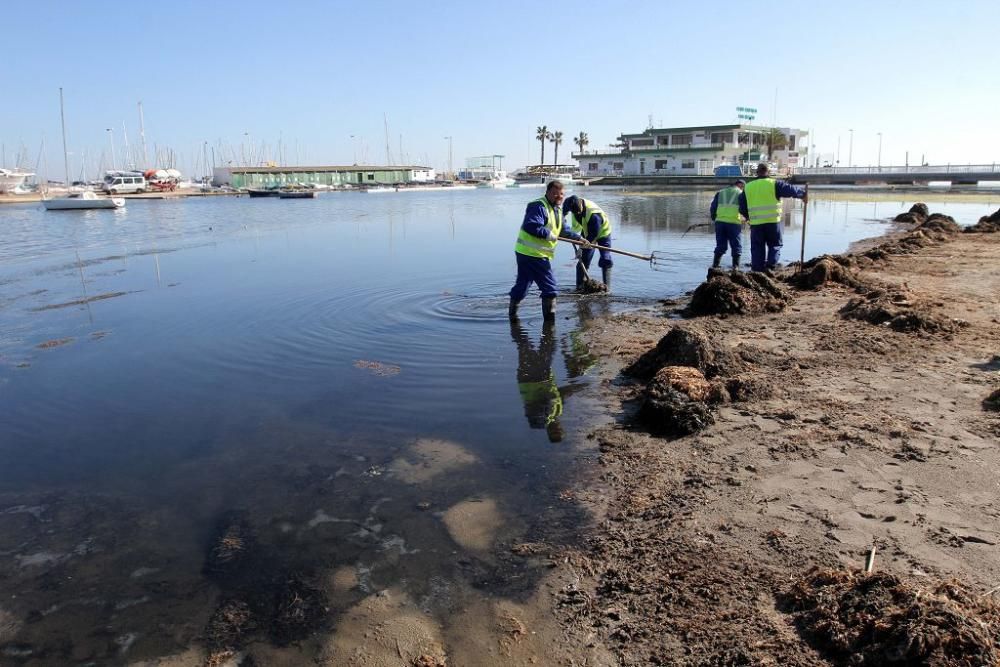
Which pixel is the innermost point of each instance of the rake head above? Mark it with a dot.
(659, 261)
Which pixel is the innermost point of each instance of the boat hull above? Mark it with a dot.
(263, 193)
(297, 195)
(82, 204)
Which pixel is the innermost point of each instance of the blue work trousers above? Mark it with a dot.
(605, 262)
(764, 235)
(536, 270)
(727, 235)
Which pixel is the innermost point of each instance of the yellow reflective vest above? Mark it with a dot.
(762, 205)
(727, 208)
(532, 246)
(589, 210)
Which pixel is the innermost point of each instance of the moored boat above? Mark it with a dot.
(263, 193)
(77, 201)
(296, 194)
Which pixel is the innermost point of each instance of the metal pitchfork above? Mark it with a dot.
(657, 259)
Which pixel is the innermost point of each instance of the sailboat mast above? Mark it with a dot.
(128, 153)
(62, 118)
(142, 136)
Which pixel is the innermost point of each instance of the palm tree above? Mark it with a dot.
(556, 140)
(543, 134)
(775, 140)
(581, 141)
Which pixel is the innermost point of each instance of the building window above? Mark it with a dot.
(680, 139)
(663, 140)
(591, 166)
(642, 142)
(371, 177)
(791, 142)
(722, 137)
(618, 165)
(687, 164)
(661, 164)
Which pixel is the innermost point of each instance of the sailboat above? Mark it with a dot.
(76, 201)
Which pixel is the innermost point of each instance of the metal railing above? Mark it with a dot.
(911, 169)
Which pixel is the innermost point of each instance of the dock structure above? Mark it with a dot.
(964, 174)
(355, 175)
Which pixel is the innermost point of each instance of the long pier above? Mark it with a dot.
(888, 175)
(897, 175)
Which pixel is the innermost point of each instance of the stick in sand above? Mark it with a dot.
(870, 561)
(805, 208)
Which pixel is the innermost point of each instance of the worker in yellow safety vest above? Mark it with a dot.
(536, 248)
(594, 225)
(725, 213)
(760, 203)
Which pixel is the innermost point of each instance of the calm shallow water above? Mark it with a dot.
(296, 361)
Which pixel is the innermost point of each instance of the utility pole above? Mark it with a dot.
(880, 151)
(111, 133)
(451, 175)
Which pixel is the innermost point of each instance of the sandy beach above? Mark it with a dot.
(816, 438)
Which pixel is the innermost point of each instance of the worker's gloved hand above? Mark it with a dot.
(553, 237)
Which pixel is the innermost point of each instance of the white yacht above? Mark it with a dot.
(76, 201)
(496, 179)
(11, 180)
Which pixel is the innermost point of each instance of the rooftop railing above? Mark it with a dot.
(910, 169)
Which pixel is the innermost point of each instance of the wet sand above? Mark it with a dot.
(857, 435)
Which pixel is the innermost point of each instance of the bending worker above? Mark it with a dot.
(536, 247)
(589, 221)
(760, 203)
(725, 212)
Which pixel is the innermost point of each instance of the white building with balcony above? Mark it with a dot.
(693, 151)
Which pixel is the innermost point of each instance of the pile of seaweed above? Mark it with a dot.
(686, 376)
(988, 224)
(878, 619)
(826, 269)
(261, 596)
(591, 286)
(737, 293)
(895, 308)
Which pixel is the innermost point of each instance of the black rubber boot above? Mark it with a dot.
(736, 262)
(549, 308)
(606, 276)
(512, 310)
(580, 276)
(717, 260)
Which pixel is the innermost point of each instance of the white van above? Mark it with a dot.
(124, 183)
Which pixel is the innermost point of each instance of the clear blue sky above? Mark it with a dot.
(923, 74)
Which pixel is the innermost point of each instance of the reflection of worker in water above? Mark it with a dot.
(537, 382)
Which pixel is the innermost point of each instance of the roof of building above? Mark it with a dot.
(328, 168)
(700, 128)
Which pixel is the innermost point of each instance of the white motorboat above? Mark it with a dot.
(11, 180)
(76, 201)
(496, 179)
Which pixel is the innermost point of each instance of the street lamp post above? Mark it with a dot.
(451, 175)
(111, 134)
(850, 150)
(880, 151)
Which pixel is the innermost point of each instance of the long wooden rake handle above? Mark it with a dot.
(646, 258)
